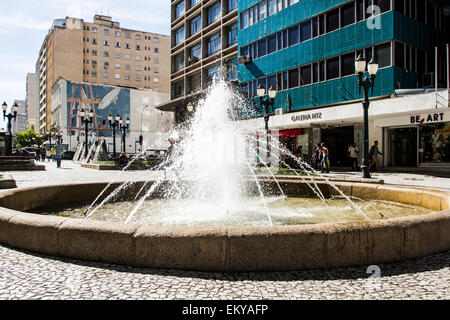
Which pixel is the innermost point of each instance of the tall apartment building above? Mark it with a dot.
(21, 121)
(32, 101)
(204, 42)
(307, 49)
(100, 52)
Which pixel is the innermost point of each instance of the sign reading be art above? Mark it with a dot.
(430, 118)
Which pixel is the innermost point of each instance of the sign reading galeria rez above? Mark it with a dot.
(307, 117)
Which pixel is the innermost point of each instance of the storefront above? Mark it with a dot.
(417, 139)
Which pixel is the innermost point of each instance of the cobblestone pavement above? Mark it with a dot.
(26, 275)
(29, 276)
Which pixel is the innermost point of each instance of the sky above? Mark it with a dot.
(25, 23)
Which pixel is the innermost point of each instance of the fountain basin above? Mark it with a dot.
(240, 249)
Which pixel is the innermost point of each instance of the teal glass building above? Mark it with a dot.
(306, 50)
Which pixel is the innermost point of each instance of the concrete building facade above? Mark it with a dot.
(100, 52)
(32, 102)
(204, 44)
(21, 121)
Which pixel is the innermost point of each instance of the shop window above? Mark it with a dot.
(399, 55)
(272, 44)
(333, 68)
(305, 31)
(332, 20)
(305, 75)
(293, 78)
(348, 64)
(293, 35)
(434, 143)
(348, 14)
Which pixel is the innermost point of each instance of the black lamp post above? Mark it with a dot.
(268, 102)
(366, 83)
(113, 126)
(86, 118)
(10, 116)
(123, 131)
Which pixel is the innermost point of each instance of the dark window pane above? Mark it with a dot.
(244, 89)
(368, 54)
(321, 24)
(333, 68)
(305, 30)
(413, 9)
(263, 82)
(332, 20)
(315, 27)
(399, 55)
(293, 78)
(244, 51)
(305, 75)
(383, 54)
(293, 35)
(430, 15)
(420, 61)
(359, 10)
(280, 40)
(285, 39)
(384, 5)
(316, 72)
(413, 59)
(408, 58)
(421, 10)
(348, 64)
(272, 82)
(262, 48)
(430, 62)
(348, 14)
(255, 49)
(279, 82)
(399, 5)
(272, 44)
(322, 71)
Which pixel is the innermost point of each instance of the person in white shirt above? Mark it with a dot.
(353, 150)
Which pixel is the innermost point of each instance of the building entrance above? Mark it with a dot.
(402, 147)
(337, 140)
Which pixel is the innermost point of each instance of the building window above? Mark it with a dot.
(94, 29)
(384, 5)
(106, 32)
(127, 77)
(156, 50)
(293, 78)
(179, 35)
(244, 19)
(214, 12)
(359, 10)
(155, 70)
(155, 80)
(179, 9)
(348, 14)
(399, 55)
(127, 67)
(117, 76)
(271, 7)
(305, 75)
(117, 33)
(262, 47)
(127, 35)
(138, 58)
(179, 62)
(94, 52)
(194, 2)
(213, 72)
(348, 64)
(332, 20)
(233, 35)
(138, 47)
(214, 44)
(105, 43)
(138, 37)
(117, 55)
(94, 74)
(232, 69)
(196, 24)
(305, 31)
(138, 68)
(138, 77)
(333, 68)
(117, 65)
(272, 44)
(293, 35)
(196, 51)
(383, 54)
(127, 57)
(117, 44)
(127, 46)
(105, 74)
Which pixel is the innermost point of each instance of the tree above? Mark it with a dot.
(27, 138)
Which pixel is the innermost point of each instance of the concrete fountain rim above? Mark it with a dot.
(243, 249)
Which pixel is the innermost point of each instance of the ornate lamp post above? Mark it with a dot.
(10, 116)
(123, 130)
(113, 126)
(268, 102)
(86, 118)
(366, 83)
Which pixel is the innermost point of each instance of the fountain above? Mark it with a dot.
(211, 209)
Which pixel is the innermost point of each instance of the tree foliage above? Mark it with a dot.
(27, 138)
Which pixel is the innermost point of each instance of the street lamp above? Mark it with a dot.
(123, 130)
(86, 118)
(261, 92)
(10, 116)
(113, 126)
(366, 83)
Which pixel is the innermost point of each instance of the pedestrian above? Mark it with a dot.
(53, 154)
(58, 154)
(43, 154)
(48, 155)
(317, 153)
(325, 162)
(353, 150)
(373, 154)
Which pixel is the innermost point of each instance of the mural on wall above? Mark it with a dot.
(102, 101)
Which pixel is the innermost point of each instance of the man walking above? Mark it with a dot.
(374, 152)
(58, 154)
(353, 150)
(324, 156)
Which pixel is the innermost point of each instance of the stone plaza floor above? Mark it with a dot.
(25, 275)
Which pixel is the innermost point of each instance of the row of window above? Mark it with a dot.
(118, 56)
(262, 10)
(118, 66)
(94, 74)
(422, 11)
(213, 12)
(118, 33)
(106, 43)
(332, 20)
(319, 71)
